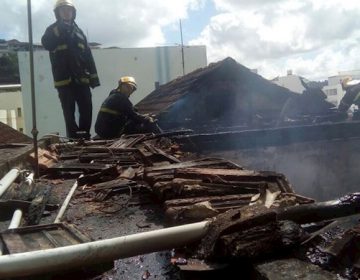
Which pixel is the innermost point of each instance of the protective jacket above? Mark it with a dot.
(114, 114)
(352, 96)
(70, 56)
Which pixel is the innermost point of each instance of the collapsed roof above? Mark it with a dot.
(224, 94)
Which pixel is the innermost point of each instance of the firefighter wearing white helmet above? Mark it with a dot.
(73, 68)
(117, 115)
(68, 5)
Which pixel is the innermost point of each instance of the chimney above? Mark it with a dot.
(289, 72)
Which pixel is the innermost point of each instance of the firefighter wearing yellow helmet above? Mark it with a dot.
(73, 68)
(117, 115)
(351, 97)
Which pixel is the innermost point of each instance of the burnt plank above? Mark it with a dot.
(119, 183)
(82, 167)
(214, 200)
(179, 188)
(291, 269)
(104, 175)
(187, 164)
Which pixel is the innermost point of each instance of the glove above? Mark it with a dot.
(65, 28)
(148, 119)
(94, 82)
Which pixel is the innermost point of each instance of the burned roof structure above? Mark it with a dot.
(10, 135)
(224, 94)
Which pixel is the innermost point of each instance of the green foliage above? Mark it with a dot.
(9, 68)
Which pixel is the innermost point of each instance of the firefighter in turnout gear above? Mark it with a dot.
(73, 67)
(352, 96)
(117, 115)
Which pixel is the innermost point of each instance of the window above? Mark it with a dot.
(19, 112)
(330, 92)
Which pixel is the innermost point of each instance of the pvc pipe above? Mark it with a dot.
(8, 179)
(68, 257)
(66, 201)
(17, 216)
(16, 219)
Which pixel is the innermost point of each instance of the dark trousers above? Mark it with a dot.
(79, 95)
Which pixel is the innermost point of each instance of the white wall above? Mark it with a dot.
(334, 93)
(11, 105)
(147, 65)
(291, 82)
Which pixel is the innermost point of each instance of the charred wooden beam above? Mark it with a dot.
(220, 175)
(309, 213)
(261, 240)
(113, 150)
(114, 184)
(80, 167)
(239, 232)
(200, 208)
(109, 158)
(156, 155)
(207, 162)
(104, 175)
(177, 188)
(128, 141)
(227, 174)
(230, 222)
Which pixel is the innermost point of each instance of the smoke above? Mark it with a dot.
(322, 170)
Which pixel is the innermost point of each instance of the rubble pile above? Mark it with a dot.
(252, 217)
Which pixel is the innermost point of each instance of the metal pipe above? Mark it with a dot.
(34, 130)
(182, 49)
(17, 216)
(8, 179)
(66, 201)
(16, 219)
(69, 257)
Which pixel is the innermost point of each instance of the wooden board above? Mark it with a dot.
(33, 238)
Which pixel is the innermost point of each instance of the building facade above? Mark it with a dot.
(151, 68)
(290, 81)
(11, 107)
(333, 90)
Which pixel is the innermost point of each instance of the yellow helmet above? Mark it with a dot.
(60, 3)
(345, 81)
(128, 80)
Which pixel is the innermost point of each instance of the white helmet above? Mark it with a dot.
(60, 3)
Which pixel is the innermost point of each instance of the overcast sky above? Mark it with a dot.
(314, 38)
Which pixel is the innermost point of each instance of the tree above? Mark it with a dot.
(9, 68)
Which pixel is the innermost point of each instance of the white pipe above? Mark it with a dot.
(16, 219)
(57, 259)
(17, 216)
(8, 179)
(66, 201)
